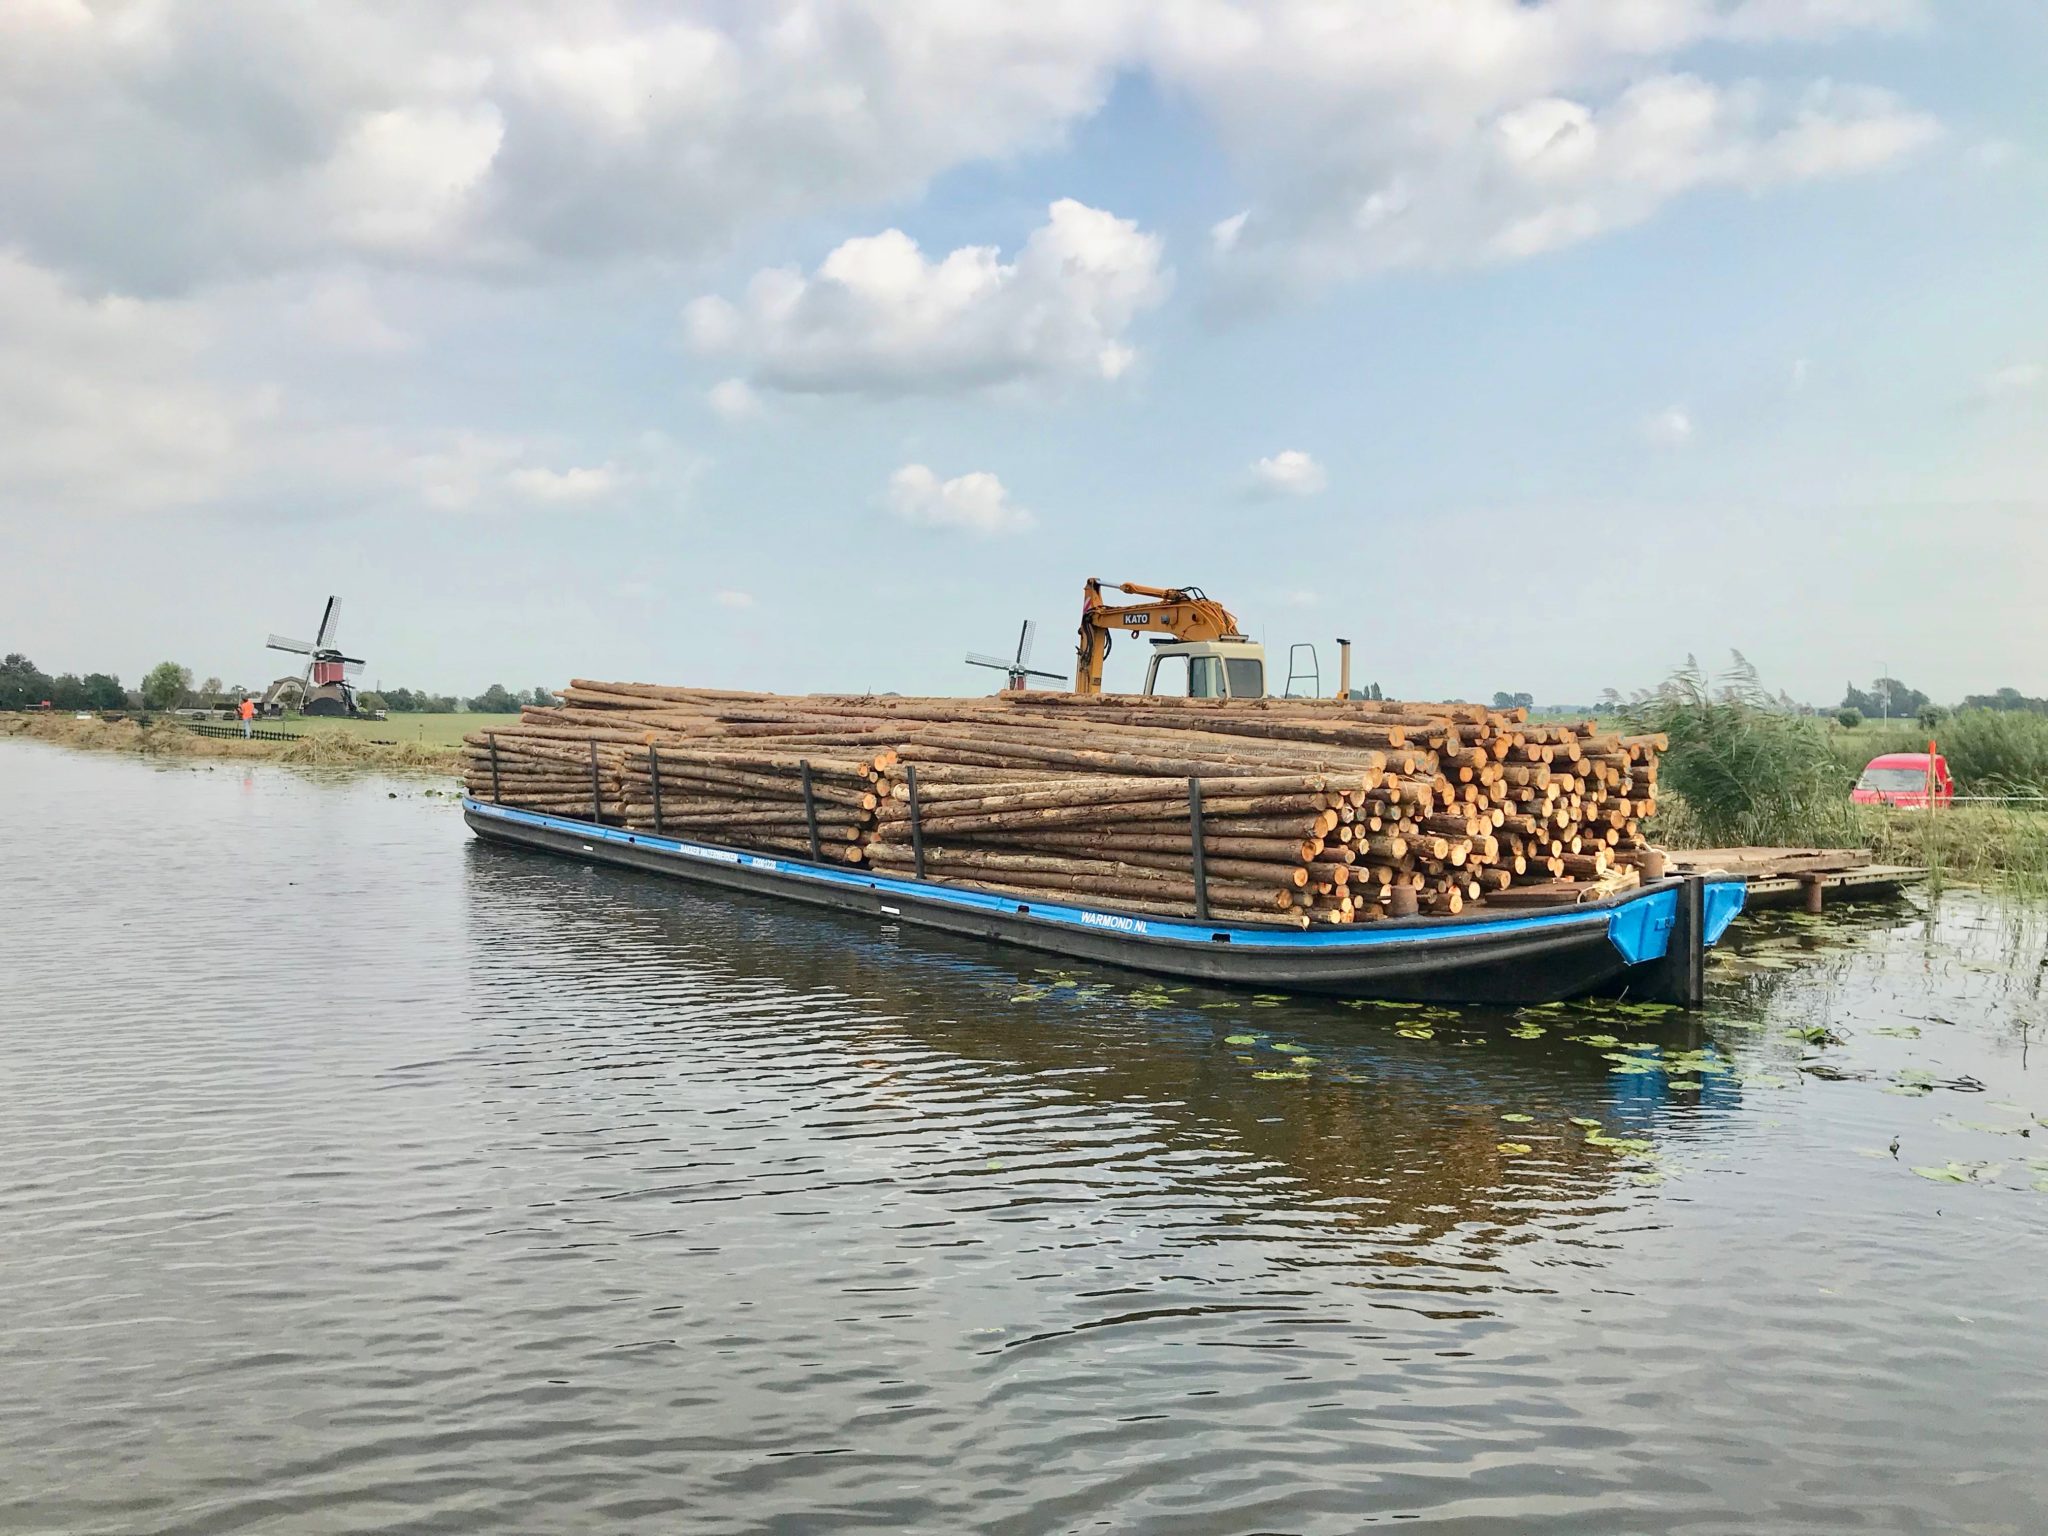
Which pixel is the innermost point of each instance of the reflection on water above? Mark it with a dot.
(359, 1176)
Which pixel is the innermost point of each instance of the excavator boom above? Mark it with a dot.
(1183, 613)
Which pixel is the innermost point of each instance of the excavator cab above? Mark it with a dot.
(1207, 669)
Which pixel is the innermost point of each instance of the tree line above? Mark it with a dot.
(1890, 699)
(168, 685)
(494, 700)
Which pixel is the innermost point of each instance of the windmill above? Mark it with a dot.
(325, 687)
(1019, 670)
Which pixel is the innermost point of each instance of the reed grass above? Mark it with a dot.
(1742, 769)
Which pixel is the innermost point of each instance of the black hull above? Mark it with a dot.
(1523, 958)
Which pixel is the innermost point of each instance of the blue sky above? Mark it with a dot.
(589, 338)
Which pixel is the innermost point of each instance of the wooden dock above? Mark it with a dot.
(1788, 877)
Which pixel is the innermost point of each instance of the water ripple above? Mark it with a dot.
(355, 1176)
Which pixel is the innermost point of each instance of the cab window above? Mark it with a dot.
(1169, 676)
(1205, 677)
(1247, 678)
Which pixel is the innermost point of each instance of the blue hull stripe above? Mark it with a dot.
(1640, 928)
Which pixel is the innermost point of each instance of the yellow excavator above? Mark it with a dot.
(1197, 650)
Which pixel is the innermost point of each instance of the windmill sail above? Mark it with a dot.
(330, 621)
(285, 643)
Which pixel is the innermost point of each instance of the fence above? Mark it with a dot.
(256, 733)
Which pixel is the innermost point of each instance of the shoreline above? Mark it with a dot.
(163, 738)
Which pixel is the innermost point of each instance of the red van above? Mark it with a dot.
(1900, 779)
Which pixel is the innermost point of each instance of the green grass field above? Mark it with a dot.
(406, 730)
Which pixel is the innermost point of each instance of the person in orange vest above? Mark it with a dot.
(247, 710)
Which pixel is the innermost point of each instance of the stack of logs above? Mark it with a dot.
(1310, 810)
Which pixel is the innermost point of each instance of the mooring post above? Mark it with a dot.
(1195, 840)
(497, 795)
(596, 799)
(1692, 901)
(1681, 977)
(654, 773)
(810, 808)
(916, 822)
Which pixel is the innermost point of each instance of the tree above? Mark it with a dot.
(23, 685)
(103, 691)
(2006, 699)
(166, 685)
(496, 700)
(543, 698)
(1849, 718)
(211, 690)
(1888, 697)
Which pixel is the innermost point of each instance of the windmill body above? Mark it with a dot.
(327, 685)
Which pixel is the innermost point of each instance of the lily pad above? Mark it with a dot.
(1416, 1033)
(1281, 1077)
(1631, 1144)
(1518, 1119)
(1815, 1034)
(1947, 1173)
(1240, 1039)
(1514, 1149)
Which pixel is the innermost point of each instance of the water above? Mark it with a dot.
(354, 1176)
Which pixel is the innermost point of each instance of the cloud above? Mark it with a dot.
(728, 597)
(877, 317)
(1551, 172)
(151, 147)
(2014, 380)
(1289, 473)
(733, 400)
(976, 502)
(409, 180)
(108, 401)
(339, 314)
(1993, 154)
(576, 484)
(1670, 428)
(452, 472)
(154, 145)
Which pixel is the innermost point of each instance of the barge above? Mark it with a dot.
(1648, 942)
